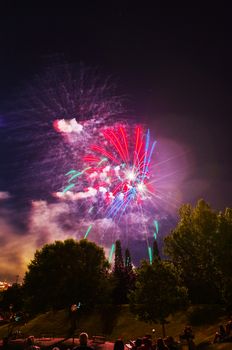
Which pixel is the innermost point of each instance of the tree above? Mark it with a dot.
(128, 263)
(223, 256)
(129, 272)
(118, 260)
(192, 246)
(65, 273)
(159, 292)
(13, 296)
(156, 255)
(119, 276)
(123, 276)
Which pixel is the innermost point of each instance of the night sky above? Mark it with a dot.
(173, 63)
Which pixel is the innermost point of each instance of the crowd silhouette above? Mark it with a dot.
(148, 342)
(224, 334)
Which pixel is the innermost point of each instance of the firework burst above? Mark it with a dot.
(116, 178)
(106, 170)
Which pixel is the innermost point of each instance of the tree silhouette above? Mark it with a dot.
(64, 273)
(129, 272)
(156, 255)
(128, 263)
(119, 276)
(194, 246)
(159, 292)
(118, 260)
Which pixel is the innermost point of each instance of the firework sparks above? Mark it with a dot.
(96, 162)
(116, 176)
(119, 171)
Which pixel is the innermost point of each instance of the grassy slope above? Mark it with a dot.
(123, 324)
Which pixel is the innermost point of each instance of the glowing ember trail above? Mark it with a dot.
(150, 254)
(111, 252)
(87, 232)
(156, 224)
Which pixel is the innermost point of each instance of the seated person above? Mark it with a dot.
(220, 336)
(187, 334)
(229, 328)
(171, 343)
(119, 345)
(83, 339)
(30, 343)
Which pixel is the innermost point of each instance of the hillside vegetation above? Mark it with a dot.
(113, 323)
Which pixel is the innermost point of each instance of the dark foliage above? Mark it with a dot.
(64, 273)
(201, 246)
(159, 292)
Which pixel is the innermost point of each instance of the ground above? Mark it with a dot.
(119, 322)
